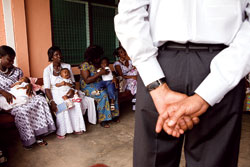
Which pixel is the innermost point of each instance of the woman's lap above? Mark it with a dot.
(70, 121)
(132, 86)
(33, 118)
(103, 106)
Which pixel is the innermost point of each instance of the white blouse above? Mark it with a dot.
(48, 74)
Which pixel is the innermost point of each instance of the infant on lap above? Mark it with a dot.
(64, 87)
(19, 90)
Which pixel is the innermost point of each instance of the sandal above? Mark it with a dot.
(112, 107)
(78, 133)
(116, 119)
(41, 142)
(105, 124)
(27, 147)
(60, 137)
(78, 100)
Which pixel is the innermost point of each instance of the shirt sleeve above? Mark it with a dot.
(46, 78)
(84, 66)
(20, 73)
(229, 66)
(133, 30)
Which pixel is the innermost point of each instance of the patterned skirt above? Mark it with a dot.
(102, 100)
(33, 119)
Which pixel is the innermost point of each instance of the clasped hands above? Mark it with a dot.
(177, 111)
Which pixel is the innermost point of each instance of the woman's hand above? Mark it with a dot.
(115, 81)
(134, 77)
(53, 107)
(29, 90)
(130, 77)
(8, 96)
(52, 103)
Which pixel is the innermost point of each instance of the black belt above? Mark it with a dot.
(192, 46)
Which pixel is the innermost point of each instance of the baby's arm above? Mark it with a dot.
(60, 84)
(14, 84)
(26, 87)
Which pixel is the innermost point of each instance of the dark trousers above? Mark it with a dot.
(214, 142)
(110, 88)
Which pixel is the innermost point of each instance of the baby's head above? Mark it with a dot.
(64, 73)
(24, 79)
(104, 62)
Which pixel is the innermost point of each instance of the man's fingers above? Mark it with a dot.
(182, 124)
(168, 129)
(159, 124)
(195, 120)
(161, 119)
(173, 131)
(175, 114)
(189, 122)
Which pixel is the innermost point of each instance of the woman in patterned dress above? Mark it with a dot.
(126, 70)
(88, 82)
(32, 119)
(70, 120)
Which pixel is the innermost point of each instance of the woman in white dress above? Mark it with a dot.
(70, 120)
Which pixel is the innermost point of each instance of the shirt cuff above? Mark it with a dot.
(212, 89)
(150, 70)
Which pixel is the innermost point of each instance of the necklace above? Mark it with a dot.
(123, 62)
(57, 71)
(4, 72)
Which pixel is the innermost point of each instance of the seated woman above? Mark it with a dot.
(89, 81)
(32, 119)
(70, 120)
(124, 68)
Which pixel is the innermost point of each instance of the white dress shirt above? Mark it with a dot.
(144, 25)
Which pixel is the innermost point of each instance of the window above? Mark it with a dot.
(103, 29)
(75, 26)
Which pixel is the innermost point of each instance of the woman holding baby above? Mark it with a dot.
(33, 119)
(59, 89)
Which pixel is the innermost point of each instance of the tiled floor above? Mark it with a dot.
(112, 146)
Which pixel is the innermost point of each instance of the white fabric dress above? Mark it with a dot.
(70, 120)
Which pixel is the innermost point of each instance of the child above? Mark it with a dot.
(107, 83)
(18, 89)
(65, 86)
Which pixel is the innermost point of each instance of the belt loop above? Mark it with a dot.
(187, 47)
(210, 49)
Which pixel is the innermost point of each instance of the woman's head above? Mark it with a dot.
(93, 54)
(55, 54)
(7, 56)
(120, 53)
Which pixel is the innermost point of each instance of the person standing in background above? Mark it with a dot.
(191, 57)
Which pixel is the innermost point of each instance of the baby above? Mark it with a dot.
(18, 89)
(106, 83)
(65, 85)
